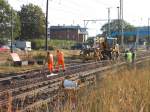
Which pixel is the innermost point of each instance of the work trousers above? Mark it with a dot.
(50, 67)
(60, 62)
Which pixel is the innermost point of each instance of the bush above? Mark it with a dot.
(37, 44)
(3, 41)
(52, 44)
(51, 47)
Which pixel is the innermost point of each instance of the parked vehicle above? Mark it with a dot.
(23, 45)
(103, 48)
(4, 48)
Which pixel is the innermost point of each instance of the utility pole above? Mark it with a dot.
(118, 20)
(118, 10)
(122, 25)
(46, 29)
(11, 30)
(148, 40)
(137, 37)
(108, 22)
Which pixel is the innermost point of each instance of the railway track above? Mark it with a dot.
(89, 81)
(29, 73)
(31, 89)
(28, 94)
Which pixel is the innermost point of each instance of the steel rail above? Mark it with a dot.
(109, 67)
(96, 69)
(78, 68)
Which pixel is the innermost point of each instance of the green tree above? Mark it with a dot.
(32, 22)
(115, 26)
(6, 15)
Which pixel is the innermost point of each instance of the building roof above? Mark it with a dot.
(140, 31)
(65, 27)
(81, 30)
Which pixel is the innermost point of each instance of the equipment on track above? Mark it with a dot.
(35, 89)
(102, 49)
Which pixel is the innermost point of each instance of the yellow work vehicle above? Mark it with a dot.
(102, 49)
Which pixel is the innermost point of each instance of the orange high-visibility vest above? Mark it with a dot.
(50, 59)
(60, 56)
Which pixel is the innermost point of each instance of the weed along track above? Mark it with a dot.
(33, 90)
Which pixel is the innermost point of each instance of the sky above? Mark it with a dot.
(73, 12)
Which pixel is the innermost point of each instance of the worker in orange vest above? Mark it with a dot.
(50, 61)
(60, 59)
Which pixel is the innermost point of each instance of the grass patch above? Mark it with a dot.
(126, 91)
(52, 44)
(6, 67)
(11, 69)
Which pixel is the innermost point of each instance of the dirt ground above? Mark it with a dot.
(6, 60)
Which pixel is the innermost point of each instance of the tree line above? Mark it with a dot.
(28, 23)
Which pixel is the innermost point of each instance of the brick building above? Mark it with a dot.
(75, 33)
